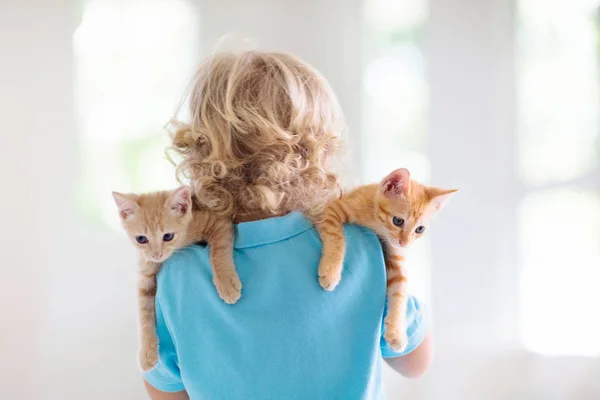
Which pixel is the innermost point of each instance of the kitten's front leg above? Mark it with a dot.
(225, 277)
(331, 230)
(395, 320)
(148, 352)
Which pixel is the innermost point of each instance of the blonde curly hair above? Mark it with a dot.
(262, 129)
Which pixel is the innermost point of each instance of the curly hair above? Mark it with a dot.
(261, 130)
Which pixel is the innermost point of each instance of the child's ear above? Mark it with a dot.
(180, 201)
(439, 197)
(396, 183)
(127, 204)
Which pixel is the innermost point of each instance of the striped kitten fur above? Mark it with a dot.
(158, 224)
(398, 210)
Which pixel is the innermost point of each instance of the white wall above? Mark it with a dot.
(65, 302)
(68, 324)
(34, 110)
(472, 144)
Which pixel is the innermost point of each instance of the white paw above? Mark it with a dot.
(395, 337)
(329, 276)
(228, 286)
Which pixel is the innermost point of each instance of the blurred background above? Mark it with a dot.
(499, 98)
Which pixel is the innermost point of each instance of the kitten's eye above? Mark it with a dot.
(167, 237)
(420, 229)
(141, 239)
(398, 221)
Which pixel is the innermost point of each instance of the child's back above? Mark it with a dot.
(286, 338)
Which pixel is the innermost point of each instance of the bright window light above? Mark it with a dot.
(133, 59)
(559, 164)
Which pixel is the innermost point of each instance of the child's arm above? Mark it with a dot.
(415, 363)
(156, 394)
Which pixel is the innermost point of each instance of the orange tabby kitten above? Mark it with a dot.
(398, 210)
(160, 223)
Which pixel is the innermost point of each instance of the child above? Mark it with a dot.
(262, 131)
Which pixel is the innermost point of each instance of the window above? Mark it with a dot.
(132, 60)
(396, 106)
(559, 154)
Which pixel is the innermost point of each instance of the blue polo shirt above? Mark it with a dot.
(286, 338)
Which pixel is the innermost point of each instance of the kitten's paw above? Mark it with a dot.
(148, 355)
(395, 338)
(329, 282)
(329, 276)
(228, 286)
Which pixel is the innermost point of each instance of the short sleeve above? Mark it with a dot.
(416, 329)
(165, 376)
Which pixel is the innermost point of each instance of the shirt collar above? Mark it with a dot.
(264, 231)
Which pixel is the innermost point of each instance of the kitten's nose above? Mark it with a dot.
(404, 240)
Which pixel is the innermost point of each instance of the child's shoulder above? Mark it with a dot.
(183, 262)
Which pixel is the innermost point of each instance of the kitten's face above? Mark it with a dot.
(157, 222)
(406, 208)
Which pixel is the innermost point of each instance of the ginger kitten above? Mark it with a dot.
(399, 211)
(158, 224)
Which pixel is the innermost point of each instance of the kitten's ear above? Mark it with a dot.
(180, 201)
(439, 197)
(396, 183)
(127, 204)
